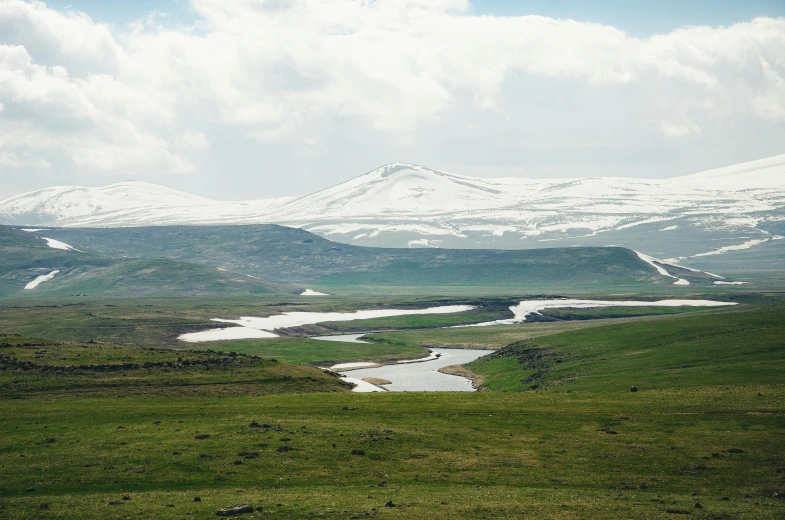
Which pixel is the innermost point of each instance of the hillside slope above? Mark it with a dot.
(740, 346)
(291, 255)
(31, 268)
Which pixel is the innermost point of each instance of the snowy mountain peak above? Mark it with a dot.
(404, 204)
(401, 188)
(59, 203)
(762, 173)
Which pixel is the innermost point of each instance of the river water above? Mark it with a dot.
(424, 376)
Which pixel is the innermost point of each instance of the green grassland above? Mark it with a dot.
(722, 348)
(486, 455)
(154, 321)
(316, 352)
(83, 423)
(30, 367)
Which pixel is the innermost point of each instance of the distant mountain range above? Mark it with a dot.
(684, 219)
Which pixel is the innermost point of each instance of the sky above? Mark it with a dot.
(253, 99)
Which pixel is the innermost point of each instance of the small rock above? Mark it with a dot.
(43, 505)
(633, 388)
(735, 450)
(725, 499)
(202, 436)
(237, 509)
(358, 452)
(389, 503)
(50, 440)
(197, 499)
(698, 505)
(126, 496)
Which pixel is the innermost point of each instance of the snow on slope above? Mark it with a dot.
(122, 204)
(69, 202)
(650, 260)
(401, 188)
(56, 244)
(404, 204)
(763, 173)
(41, 279)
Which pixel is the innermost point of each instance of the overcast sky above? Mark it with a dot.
(248, 99)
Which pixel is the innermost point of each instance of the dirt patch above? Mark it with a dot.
(377, 381)
(461, 370)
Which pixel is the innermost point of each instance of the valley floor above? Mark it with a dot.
(130, 426)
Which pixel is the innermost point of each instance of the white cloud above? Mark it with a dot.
(115, 100)
(679, 130)
(13, 160)
(194, 139)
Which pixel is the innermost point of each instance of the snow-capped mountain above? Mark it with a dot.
(123, 204)
(404, 205)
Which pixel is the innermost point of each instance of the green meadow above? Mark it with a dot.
(106, 415)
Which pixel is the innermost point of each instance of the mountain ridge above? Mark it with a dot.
(407, 205)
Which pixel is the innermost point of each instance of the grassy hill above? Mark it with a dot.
(733, 347)
(32, 367)
(23, 257)
(292, 255)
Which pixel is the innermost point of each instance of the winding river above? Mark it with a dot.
(420, 376)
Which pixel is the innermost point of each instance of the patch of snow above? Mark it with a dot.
(746, 245)
(719, 282)
(360, 364)
(224, 334)
(669, 228)
(647, 221)
(526, 307)
(650, 260)
(421, 242)
(33, 230)
(673, 263)
(681, 281)
(40, 279)
(310, 292)
(56, 244)
(298, 319)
